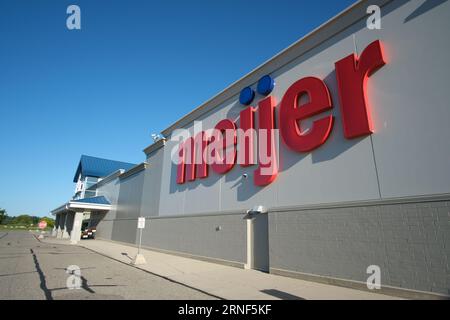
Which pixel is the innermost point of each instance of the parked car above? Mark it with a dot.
(86, 232)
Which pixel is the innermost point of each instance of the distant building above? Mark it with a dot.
(86, 205)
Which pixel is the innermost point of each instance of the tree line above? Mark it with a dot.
(23, 219)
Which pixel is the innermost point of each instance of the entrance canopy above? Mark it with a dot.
(87, 204)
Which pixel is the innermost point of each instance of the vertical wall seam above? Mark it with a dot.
(220, 193)
(355, 49)
(376, 167)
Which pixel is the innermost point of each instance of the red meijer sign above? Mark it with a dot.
(219, 149)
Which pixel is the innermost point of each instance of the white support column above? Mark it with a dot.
(250, 257)
(76, 228)
(55, 226)
(65, 233)
(58, 225)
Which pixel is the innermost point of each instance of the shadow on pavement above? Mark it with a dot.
(281, 294)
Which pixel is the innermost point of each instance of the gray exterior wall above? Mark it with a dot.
(407, 155)
(152, 184)
(410, 140)
(410, 243)
(199, 236)
(104, 229)
(128, 208)
(111, 191)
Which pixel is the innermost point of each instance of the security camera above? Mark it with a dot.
(156, 137)
(245, 176)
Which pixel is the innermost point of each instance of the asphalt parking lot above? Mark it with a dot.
(30, 269)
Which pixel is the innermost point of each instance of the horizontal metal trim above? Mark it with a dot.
(340, 22)
(155, 146)
(136, 169)
(59, 209)
(198, 215)
(91, 206)
(365, 203)
(353, 284)
(214, 214)
(124, 219)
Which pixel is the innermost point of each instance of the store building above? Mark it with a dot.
(86, 205)
(357, 127)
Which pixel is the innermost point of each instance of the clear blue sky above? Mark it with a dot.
(133, 69)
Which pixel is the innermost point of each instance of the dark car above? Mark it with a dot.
(86, 232)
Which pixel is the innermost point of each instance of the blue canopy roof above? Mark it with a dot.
(96, 200)
(98, 167)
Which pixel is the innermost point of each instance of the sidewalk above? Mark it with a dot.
(223, 281)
